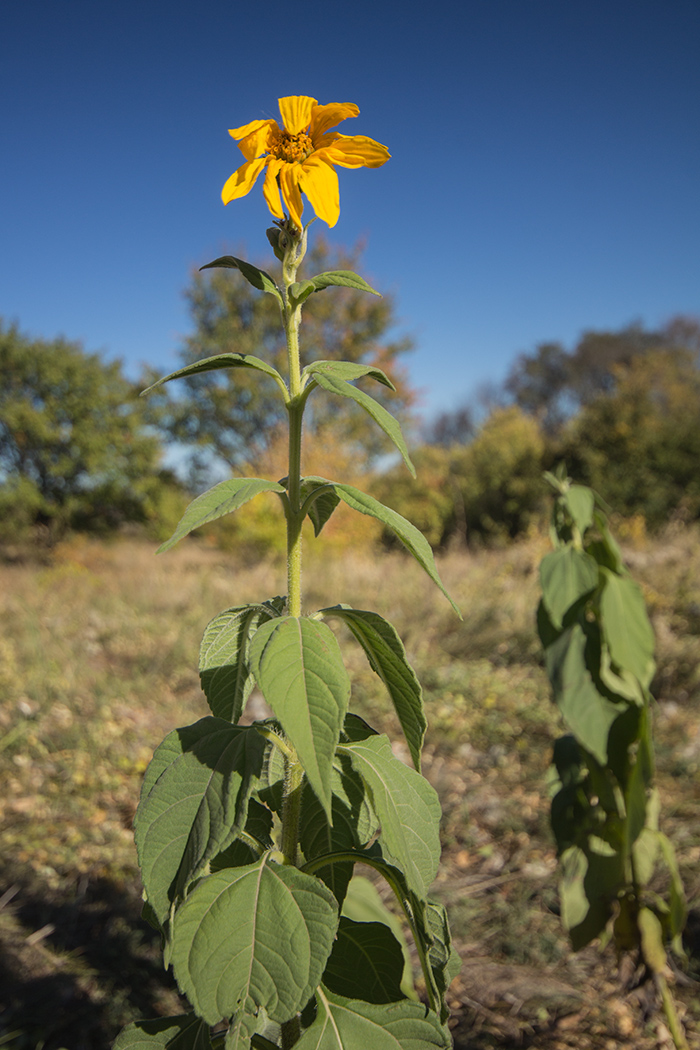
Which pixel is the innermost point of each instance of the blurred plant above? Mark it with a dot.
(74, 448)
(599, 653)
(248, 835)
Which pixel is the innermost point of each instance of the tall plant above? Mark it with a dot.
(248, 835)
(599, 653)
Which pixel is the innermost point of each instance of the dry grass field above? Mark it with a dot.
(98, 657)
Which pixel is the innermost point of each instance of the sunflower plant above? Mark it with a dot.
(250, 837)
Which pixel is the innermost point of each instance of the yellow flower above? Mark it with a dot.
(300, 157)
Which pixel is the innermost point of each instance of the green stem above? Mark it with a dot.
(295, 410)
(674, 1025)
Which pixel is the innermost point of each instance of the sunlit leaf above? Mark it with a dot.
(347, 371)
(218, 362)
(626, 626)
(252, 937)
(299, 667)
(388, 423)
(186, 1032)
(406, 805)
(342, 278)
(566, 575)
(258, 278)
(387, 657)
(222, 499)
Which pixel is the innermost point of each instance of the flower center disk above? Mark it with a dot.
(291, 148)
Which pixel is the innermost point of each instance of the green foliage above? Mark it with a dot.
(489, 490)
(599, 652)
(74, 451)
(248, 835)
(231, 414)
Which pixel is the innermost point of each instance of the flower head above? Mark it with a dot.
(300, 157)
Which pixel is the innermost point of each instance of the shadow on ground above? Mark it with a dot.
(75, 963)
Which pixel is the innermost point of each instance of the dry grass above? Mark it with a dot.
(98, 656)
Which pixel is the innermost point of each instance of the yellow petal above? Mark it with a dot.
(355, 151)
(320, 184)
(255, 142)
(289, 182)
(242, 181)
(296, 112)
(325, 117)
(240, 133)
(271, 190)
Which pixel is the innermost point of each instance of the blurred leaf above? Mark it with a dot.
(652, 937)
(580, 503)
(566, 575)
(588, 714)
(626, 626)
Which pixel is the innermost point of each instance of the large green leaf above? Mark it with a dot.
(253, 937)
(224, 667)
(186, 1032)
(366, 963)
(258, 278)
(353, 824)
(350, 1024)
(196, 807)
(346, 371)
(299, 667)
(379, 414)
(407, 808)
(387, 657)
(626, 626)
(222, 499)
(414, 541)
(566, 576)
(219, 361)
(588, 714)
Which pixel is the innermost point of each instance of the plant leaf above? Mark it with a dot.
(350, 1024)
(347, 371)
(353, 824)
(219, 361)
(222, 499)
(652, 939)
(298, 665)
(566, 575)
(185, 1032)
(224, 668)
(258, 278)
(626, 626)
(250, 938)
(387, 658)
(388, 423)
(342, 278)
(320, 510)
(414, 541)
(588, 714)
(407, 808)
(580, 503)
(444, 961)
(196, 807)
(366, 963)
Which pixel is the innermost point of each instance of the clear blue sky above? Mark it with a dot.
(545, 172)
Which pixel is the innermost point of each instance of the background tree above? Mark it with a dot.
(235, 418)
(74, 448)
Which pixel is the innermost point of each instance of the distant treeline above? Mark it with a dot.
(79, 450)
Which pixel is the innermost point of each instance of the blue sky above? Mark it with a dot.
(545, 172)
